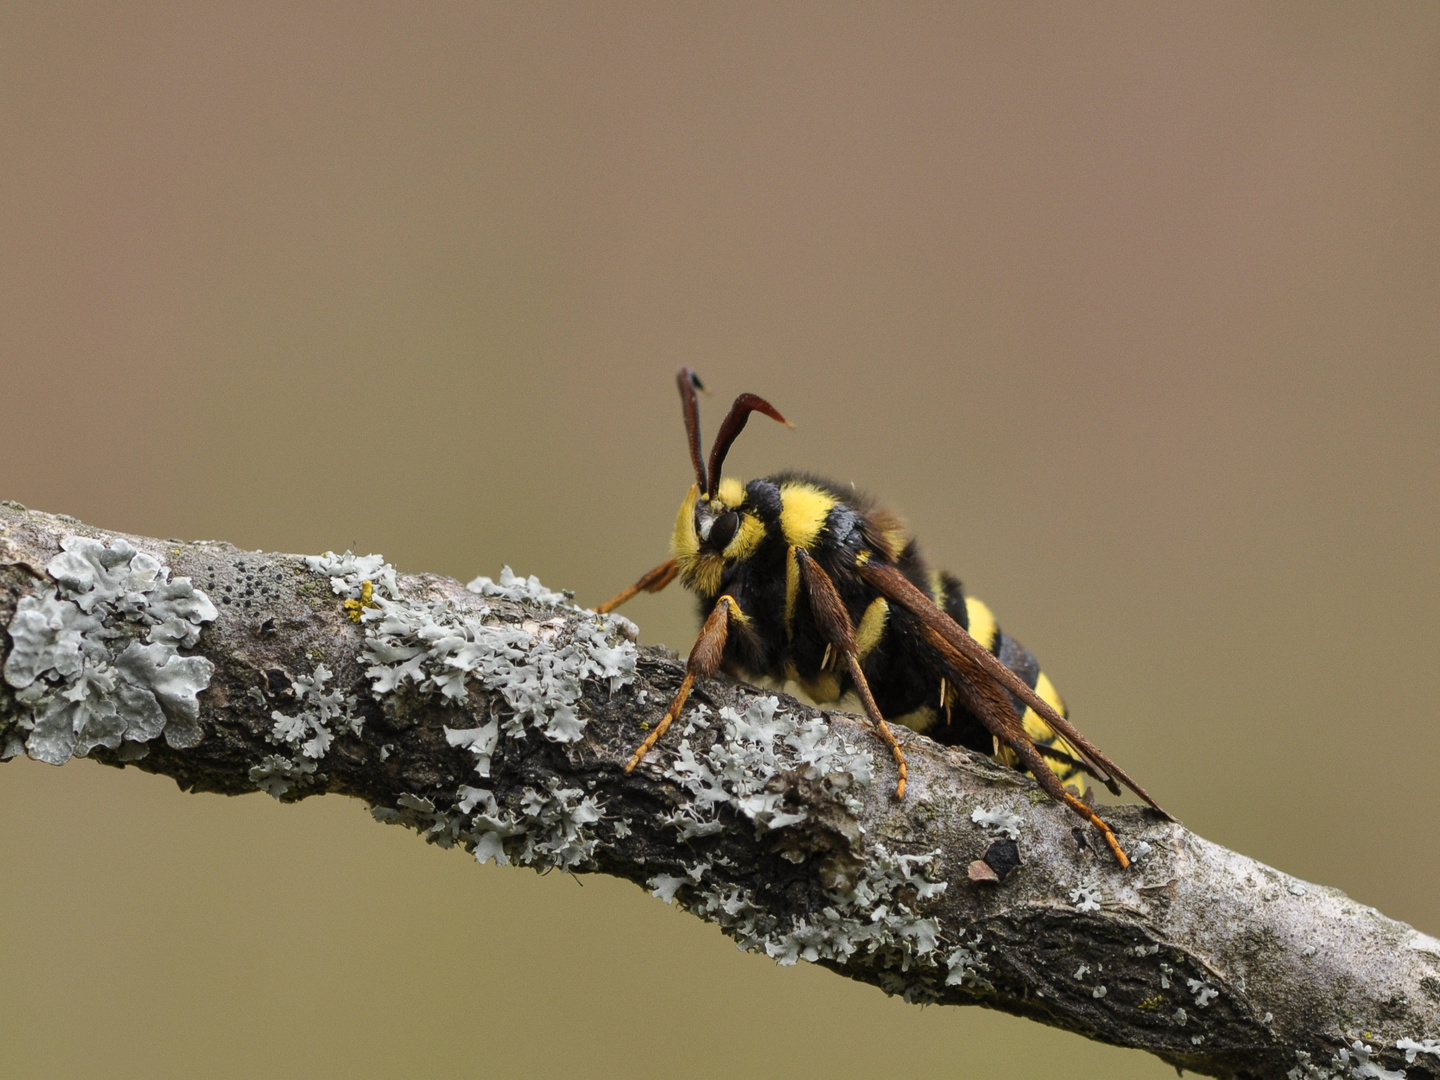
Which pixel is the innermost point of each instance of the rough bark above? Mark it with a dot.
(770, 817)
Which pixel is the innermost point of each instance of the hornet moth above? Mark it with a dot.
(801, 580)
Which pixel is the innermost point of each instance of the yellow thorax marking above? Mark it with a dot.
(803, 508)
(730, 492)
(872, 626)
(982, 622)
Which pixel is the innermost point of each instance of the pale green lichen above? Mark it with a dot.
(754, 747)
(547, 829)
(439, 648)
(1204, 993)
(538, 670)
(965, 963)
(481, 742)
(276, 774)
(1356, 1058)
(322, 716)
(1005, 822)
(871, 920)
(95, 660)
(1413, 1047)
(519, 590)
(1087, 895)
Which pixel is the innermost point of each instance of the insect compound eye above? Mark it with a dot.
(723, 530)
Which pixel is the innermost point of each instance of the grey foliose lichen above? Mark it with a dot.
(276, 774)
(754, 748)
(1088, 895)
(512, 586)
(1348, 1063)
(1414, 1047)
(323, 714)
(870, 914)
(436, 647)
(1003, 821)
(95, 661)
(537, 668)
(547, 830)
(306, 733)
(869, 918)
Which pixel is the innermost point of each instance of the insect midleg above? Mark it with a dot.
(835, 623)
(654, 581)
(704, 662)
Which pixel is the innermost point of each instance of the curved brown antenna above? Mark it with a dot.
(733, 424)
(689, 382)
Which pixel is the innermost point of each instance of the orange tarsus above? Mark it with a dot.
(653, 582)
(670, 715)
(1094, 819)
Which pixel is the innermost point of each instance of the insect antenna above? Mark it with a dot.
(730, 429)
(689, 382)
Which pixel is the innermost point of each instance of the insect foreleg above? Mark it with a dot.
(654, 581)
(704, 662)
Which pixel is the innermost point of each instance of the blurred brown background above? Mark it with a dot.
(1131, 309)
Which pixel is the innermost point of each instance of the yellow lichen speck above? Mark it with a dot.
(356, 608)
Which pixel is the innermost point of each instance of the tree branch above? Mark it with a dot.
(497, 717)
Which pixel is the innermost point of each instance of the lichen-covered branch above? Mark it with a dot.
(497, 717)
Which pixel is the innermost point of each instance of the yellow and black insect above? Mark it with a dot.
(801, 580)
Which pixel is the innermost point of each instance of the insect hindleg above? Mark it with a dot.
(940, 627)
(654, 581)
(987, 700)
(1051, 783)
(835, 623)
(1055, 754)
(704, 662)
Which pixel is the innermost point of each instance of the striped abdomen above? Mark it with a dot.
(976, 617)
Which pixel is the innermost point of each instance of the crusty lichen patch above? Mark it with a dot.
(535, 669)
(95, 660)
(439, 649)
(869, 901)
(737, 769)
(871, 919)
